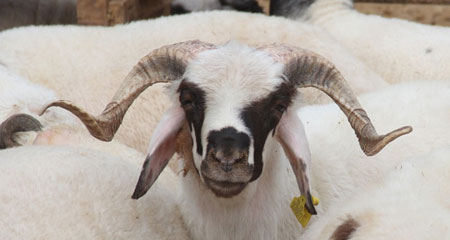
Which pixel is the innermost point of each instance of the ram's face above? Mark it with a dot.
(231, 107)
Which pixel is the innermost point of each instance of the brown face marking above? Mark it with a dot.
(262, 116)
(345, 230)
(184, 149)
(192, 99)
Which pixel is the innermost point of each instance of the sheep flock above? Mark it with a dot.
(207, 124)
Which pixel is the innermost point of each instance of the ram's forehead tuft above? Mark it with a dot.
(235, 67)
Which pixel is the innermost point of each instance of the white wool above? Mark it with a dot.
(338, 164)
(410, 202)
(87, 64)
(18, 95)
(51, 192)
(398, 50)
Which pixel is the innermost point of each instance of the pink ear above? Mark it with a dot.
(291, 135)
(160, 150)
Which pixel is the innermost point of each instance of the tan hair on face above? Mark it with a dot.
(184, 149)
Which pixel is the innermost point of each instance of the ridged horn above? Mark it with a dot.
(307, 69)
(16, 123)
(164, 64)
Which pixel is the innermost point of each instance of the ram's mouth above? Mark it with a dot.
(225, 189)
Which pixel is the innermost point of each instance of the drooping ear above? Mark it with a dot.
(291, 135)
(161, 149)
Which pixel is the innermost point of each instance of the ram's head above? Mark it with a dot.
(234, 100)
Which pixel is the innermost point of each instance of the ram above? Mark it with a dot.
(233, 112)
(396, 49)
(77, 187)
(85, 64)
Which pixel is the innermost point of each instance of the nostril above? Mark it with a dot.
(226, 167)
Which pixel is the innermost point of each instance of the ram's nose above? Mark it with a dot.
(228, 147)
(228, 158)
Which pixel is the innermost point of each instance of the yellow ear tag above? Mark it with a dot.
(298, 206)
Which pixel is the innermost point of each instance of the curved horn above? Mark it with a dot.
(307, 69)
(16, 123)
(165, 64)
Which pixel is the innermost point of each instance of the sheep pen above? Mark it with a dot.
(232, 112)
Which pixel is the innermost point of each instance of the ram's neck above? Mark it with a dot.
(261, 211)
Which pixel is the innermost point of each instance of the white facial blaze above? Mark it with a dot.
(232, 77)
(197, 157)
(251, 154)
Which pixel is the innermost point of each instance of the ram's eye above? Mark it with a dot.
(280, 108)
(187, 100)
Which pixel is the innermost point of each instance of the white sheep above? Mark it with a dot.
(54, 192)
(339, 169)
(396, 49)
(87, 64)
(79, 189)
(359, 196)
(411, 202)
(237, 131)
(20, 96)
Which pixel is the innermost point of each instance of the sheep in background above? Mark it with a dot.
(231, 98)
(86, 64)
(14, 13)
(411, 202)
(25, 100)
(338, 168)
(19, 96)
(54, 192)
(79, 189)
(396, 49)
(187, 6)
